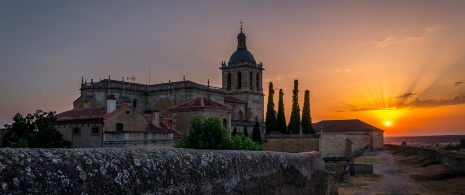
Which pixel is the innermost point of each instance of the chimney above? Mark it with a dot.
(111, 103)
(156, 118)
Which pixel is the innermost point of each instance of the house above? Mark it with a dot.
(342, 138)
(115, 125)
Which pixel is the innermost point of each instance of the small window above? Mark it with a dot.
(119, 126)
(127, 112)
(95, 131)
(77, 131)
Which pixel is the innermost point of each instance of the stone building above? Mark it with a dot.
(114, 126)
(341, 138)
(240, 96)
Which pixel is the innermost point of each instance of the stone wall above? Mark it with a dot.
(453, 162)
(291, 143)
(161, 171)
(334, 144)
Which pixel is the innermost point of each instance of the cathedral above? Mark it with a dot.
(239, 102)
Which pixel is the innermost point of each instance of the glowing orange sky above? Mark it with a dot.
(402, 61)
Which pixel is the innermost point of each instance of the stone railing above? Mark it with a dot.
(161, 171)
(453, 162)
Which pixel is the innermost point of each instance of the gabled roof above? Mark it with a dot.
(201, 102)
(88, 113)
(344, 126)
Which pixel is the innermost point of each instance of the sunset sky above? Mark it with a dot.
(377, 61)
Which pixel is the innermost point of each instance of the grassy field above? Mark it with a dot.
(359, 182)
(431, 176)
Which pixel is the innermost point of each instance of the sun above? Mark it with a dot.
(387, 123)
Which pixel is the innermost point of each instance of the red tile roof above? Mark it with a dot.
(201, 102)
(344, 126)
(87, 113)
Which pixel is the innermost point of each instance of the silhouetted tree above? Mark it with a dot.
(462, 143)
(34, 131)
(210, 133)
(234, 132)
(294, 122)
(270, 122)
(307, 127)
(256, 133)
(246, 134)
(281, 118)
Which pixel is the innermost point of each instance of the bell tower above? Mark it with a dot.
(242, 78)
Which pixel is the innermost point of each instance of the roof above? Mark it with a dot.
(87, 113)
(233, 99)
(201, 102)
(241, 55)
(344, 126)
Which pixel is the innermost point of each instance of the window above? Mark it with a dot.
(95, 131)
(119, 126)
(77, 131)
(257, 81)
(225, 123)
(229, 82)
(251, 81)
(239, 79)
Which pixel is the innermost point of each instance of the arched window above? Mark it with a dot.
(229, 81)
(225, 123)
(241, 115)
(239, 80)
(251, 80)
(257, 81)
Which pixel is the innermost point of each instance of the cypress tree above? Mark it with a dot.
(307, 127)
(246, 134)
(256, 133)
(234, 132)
(270, 112)
(281, 118)
(294, 122)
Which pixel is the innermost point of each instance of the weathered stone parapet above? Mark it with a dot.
(161, 171)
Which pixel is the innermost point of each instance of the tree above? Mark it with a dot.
(35, 131)
(294, 122)
(234, 132)
(210, 133)
(281, 118)
(270, 122)
(462, 143)
(246, 134)
(307, 127)
(205, 133)
(256, 137)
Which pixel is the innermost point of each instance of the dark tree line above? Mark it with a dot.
(295, 123)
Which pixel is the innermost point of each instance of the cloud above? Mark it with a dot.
(340, 111)
(415, 37)
(433, 29)
(458, 83)
(418, 103)
(279, 78)
(386, 41)
(406, 95)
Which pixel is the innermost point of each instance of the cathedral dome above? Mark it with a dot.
(241, 55)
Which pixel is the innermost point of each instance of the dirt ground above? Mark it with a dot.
(400, 173)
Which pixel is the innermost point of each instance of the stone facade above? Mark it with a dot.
(292, 143)
(241, 90)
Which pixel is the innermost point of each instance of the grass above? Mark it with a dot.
(430, 175)
(367, 159)
(359, 182)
